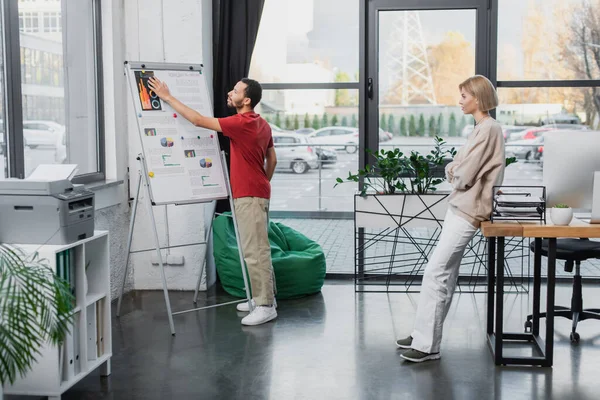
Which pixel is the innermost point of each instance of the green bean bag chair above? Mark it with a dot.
(299, 262)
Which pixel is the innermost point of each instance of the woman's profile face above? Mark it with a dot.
(468, 102)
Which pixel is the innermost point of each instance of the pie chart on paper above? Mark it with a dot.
(166, 142)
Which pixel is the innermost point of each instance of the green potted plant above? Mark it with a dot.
(392, 168)
(561, 214)
(35, 307)
(401, 189)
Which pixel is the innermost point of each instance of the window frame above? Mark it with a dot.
(523, 84)
(13, 99)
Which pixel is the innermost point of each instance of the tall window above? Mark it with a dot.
(548, 74)
(306, 58)
(61, 108)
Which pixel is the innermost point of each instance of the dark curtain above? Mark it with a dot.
(235, 26)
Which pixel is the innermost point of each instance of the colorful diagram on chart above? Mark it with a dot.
(166, 159)
(205, 162)
(189, 153)
(148, 99)
(150, 131)
(207, 181)
(166, 142)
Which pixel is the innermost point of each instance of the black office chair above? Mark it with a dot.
(572, 251)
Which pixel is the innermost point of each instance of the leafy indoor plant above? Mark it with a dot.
(392, 168)
(35, 307)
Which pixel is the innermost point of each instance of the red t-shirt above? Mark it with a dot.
(250, 138)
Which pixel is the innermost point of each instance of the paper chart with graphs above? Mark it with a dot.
(183, 161)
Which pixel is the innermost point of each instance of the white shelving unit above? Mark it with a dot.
(89, 344)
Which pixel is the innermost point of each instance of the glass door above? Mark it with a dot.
(417, 52)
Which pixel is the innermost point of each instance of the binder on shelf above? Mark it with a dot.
(60, 265)
(68, 358)
(76, 344)
(92, 352)
(67, 276)
(72, 272)
(61, 357)
(100, 327)
(65, 269)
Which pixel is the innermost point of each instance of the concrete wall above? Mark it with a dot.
(115, 220)
(112, 209)
(177, 31)
(161, 31)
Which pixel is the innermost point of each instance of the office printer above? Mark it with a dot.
(45, 212)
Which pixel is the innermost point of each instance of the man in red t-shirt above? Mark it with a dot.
(251, 145)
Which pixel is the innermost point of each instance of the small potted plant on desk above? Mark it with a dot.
(561, 214)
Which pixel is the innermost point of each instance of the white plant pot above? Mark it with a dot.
(561, 216)
(380, 211)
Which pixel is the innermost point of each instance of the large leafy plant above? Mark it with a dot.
(35, 307)
(421, 169)
(392, 169)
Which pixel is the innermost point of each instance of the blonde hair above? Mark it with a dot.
(482, 89)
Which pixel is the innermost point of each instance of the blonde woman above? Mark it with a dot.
(476, 168)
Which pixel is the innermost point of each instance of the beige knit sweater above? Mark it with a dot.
(476, 168)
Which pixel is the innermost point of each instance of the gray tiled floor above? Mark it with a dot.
(336, 344)
(334, 236)
(336, 239)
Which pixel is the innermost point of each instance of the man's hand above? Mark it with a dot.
(159, 87)
(271, 162)
(162, 90)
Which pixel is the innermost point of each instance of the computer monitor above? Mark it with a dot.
(570, 160)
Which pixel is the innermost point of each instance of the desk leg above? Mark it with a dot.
(550, 301)
(537, 282)
(490, 284)
(499, 300)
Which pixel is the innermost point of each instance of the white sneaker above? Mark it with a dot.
(260, 315)
(243, 307)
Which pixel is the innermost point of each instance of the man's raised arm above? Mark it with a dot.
(162, 90)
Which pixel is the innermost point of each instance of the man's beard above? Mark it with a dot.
(231, 104)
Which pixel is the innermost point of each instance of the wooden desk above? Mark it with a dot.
(496, 232)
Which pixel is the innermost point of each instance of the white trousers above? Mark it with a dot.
(439, 282)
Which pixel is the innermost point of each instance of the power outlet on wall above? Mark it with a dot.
(170, 259)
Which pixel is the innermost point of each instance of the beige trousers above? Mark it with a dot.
(252, 214)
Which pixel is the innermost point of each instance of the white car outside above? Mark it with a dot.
(346, 137)
(2, 138)
(294, 152)
(276, 129)
(41, 133)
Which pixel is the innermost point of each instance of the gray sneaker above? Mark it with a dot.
(404, 343)
(418, 356)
